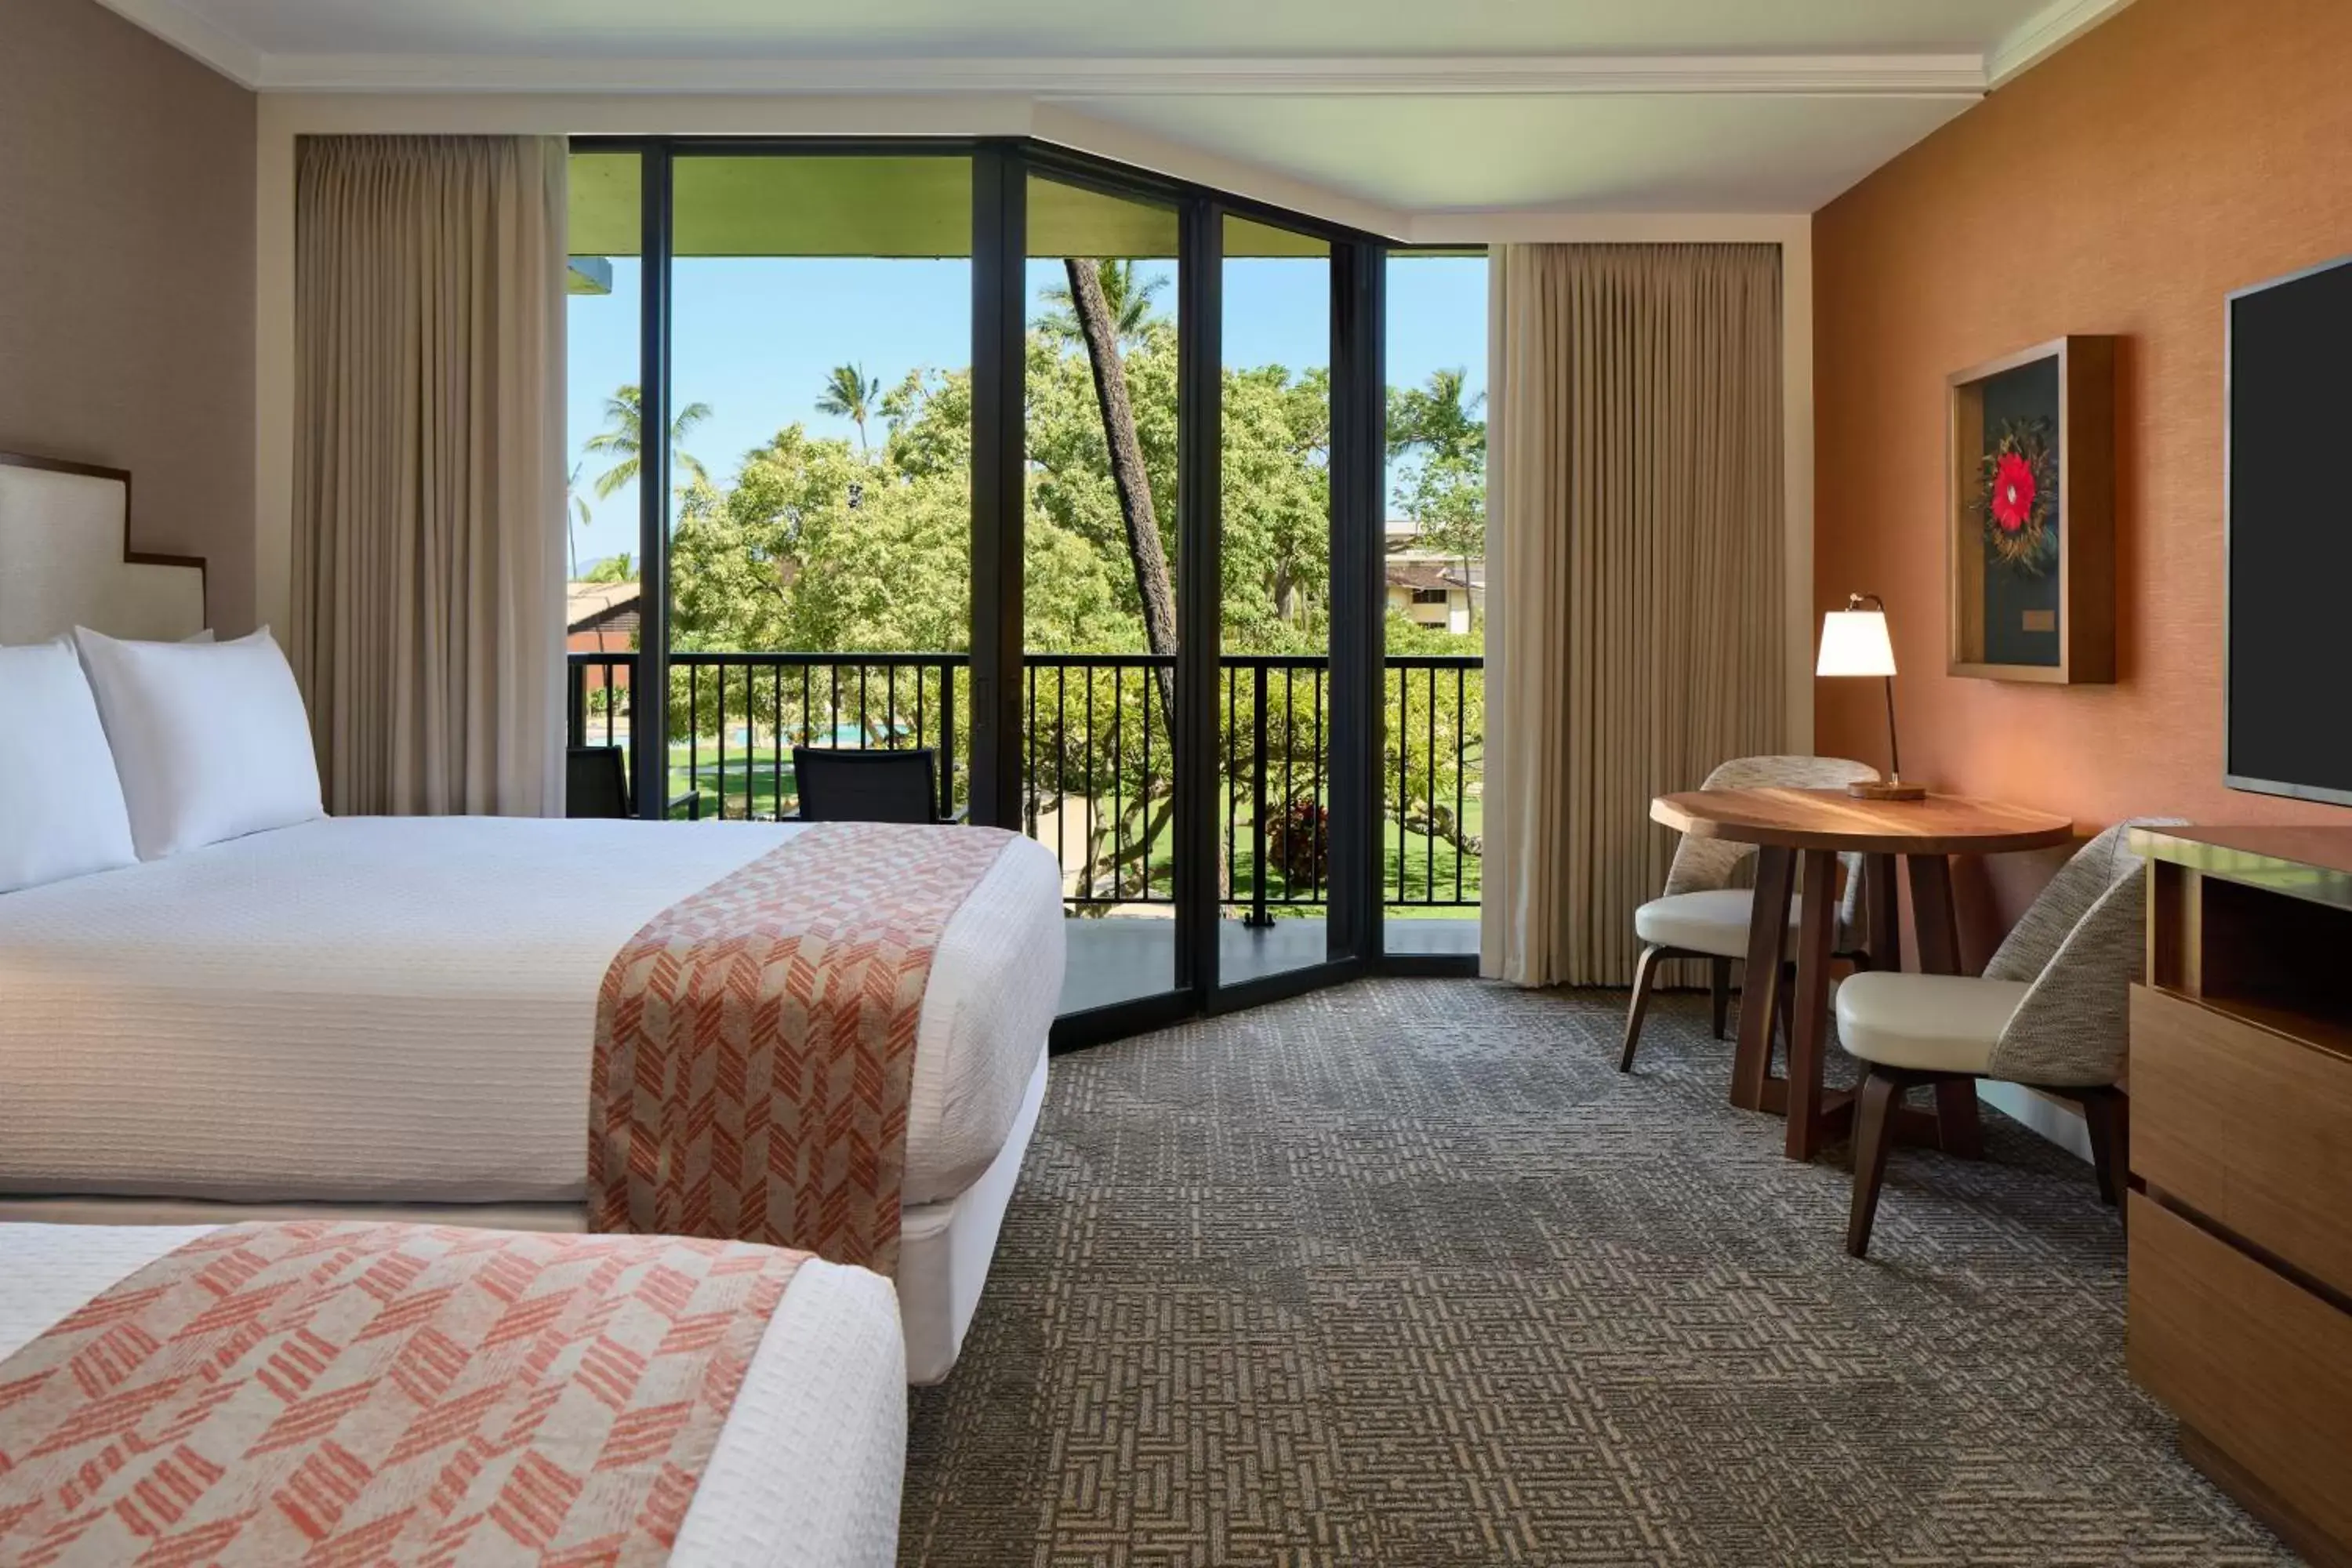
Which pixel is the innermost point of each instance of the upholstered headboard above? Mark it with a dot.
(66, 559)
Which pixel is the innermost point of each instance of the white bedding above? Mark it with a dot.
(376, 1009)
(807, 1469)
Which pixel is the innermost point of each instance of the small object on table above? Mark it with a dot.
(1799, 834)
(1855, 642)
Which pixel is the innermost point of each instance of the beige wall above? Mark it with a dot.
(2127, 186)
(127, 276)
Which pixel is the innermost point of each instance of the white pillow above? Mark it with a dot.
(62, 811)
(210, 738)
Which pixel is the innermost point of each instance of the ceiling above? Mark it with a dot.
(1524, 106)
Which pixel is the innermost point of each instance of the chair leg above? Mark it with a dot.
(2108, 1115)
(1719, 984)
(1645, 975)
(1873, 1134)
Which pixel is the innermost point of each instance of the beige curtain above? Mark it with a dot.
(1634, 550)
(429, 505)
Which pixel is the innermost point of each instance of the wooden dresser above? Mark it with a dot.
(2241, 1077)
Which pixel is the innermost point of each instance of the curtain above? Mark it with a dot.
(1635, 553)
(429, 501)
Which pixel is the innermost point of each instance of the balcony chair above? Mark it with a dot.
(2051, 1011)
(595, 784)
(849, 784)
(1702, 915)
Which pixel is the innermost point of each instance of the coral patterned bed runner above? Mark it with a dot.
(330, 1393)
(755, 1043)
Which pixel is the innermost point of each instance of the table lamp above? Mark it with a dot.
(1855, 642)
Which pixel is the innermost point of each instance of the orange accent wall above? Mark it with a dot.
(2185, 149)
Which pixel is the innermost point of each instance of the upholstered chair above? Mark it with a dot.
(1702, 915)
(2051, 1011)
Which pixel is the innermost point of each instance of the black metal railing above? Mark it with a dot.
(1097, 765)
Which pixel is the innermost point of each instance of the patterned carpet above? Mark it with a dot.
(1405, 1273)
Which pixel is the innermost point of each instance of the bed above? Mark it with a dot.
(396, 1017)
(807, 1468)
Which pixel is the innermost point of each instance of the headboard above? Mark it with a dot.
(66, 559)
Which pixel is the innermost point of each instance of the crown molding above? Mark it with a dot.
(1811, 76)
(2043, 34)
(192, 34)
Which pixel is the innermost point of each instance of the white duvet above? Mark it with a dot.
(808, 1467)
(401, 1010)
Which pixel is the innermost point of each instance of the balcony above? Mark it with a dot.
(1098, 783)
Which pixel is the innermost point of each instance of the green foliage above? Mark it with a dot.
(617, 568)
(1439, 445)
(850, 394)
(622, 440)
(818, 544)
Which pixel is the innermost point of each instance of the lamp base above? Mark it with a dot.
(1874, 789)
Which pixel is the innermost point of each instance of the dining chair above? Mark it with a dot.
(2051, 1011)
(851, 785)
(1702, 915)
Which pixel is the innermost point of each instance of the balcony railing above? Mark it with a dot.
(1097, 771)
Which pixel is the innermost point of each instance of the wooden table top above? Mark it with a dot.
(1832, 819)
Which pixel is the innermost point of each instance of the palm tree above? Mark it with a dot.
(1095, 317)
(848, 395)
(623, 440)
(617, 568)
(575, 516)
(1128, 299)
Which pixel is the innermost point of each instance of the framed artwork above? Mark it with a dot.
(2030, 516)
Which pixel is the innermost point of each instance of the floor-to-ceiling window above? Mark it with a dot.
(1101, 561)
(1070, 474)
(1274, 675)
(1434, 599)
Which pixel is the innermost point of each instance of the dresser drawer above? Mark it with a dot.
(2258, 1366)
(2247, 1127)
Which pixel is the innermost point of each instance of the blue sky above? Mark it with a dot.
(756, 337)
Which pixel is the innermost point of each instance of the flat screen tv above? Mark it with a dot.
(2290, 536)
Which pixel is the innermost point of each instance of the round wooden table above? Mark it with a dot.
(1798, 834)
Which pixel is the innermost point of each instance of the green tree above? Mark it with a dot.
(620, 567)
(622, 440)
(1439, 444)
(850, 394)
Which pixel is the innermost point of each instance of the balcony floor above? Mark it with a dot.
(1120, 958)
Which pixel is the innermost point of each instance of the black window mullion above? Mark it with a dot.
(1358, 468)
(999, 184)
(1200, 520)
(650, 687)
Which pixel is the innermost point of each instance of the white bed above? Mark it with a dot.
(395, 1015)
(808, 1467)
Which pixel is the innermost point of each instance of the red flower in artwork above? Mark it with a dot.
(2012, 492)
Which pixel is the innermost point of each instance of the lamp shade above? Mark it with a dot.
(1855, 642)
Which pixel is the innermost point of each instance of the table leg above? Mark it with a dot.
(1882, 912)
(1759, 980)
(1936, 920)
(1809, 1034)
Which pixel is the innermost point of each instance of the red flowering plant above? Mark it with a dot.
(1298, 841)
(2018, 496)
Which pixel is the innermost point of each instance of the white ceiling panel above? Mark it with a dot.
(1686, 152)
(687, 28)
(1602, 106)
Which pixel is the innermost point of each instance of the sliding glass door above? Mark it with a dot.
(1065, 473)
(1104, 569)
(820, 490)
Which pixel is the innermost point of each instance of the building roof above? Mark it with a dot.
(1407, 572)
(586, 603)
